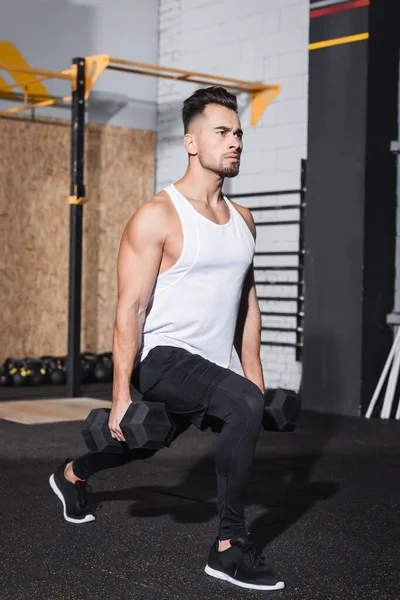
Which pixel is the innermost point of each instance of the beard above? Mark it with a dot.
(230, 170)
(222, 167)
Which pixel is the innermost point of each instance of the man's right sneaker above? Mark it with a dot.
(73, 497)
(243, 566)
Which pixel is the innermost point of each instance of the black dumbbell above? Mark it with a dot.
(144, 425)
(281, 411)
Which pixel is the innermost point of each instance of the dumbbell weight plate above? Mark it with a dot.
(282, 408)
(96, 433)
(146, 425)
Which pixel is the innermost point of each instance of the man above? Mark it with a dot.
(186, 296)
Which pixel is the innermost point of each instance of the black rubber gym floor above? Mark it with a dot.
(322, 502)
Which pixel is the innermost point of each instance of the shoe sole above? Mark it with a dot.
(250, 586)
(58, 493)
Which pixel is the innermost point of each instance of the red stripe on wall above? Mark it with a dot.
(329, 10)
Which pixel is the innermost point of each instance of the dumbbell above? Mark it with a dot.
(144, 425)
(281, 410)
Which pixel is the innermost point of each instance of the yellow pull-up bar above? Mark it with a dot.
(261, 94)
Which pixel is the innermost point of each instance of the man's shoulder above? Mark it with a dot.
(152, 218)
(246, 215)
(159, 205)
(161, 196)
(244, 211)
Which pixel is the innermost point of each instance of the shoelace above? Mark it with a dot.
(255, 558)
(82, 494)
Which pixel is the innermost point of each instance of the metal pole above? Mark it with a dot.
(77, 190)
(301, 288)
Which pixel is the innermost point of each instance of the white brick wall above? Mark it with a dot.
(257, 40)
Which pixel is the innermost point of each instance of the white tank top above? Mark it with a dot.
(195, 303)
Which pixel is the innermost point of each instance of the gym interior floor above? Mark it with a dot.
(322, 502)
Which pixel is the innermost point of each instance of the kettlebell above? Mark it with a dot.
(103, 370)
(58, 374)
(88, 361)
(50, 363)
(5, 377)
(20, 375)
(37, 371)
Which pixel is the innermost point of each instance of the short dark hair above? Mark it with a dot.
(196, 103)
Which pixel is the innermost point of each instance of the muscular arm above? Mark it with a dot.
(139, 261)
(248, 333)
(248, 327)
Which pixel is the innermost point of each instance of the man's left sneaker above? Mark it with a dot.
(243, 565)
(73, 497)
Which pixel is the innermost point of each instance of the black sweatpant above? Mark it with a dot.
(193, 389)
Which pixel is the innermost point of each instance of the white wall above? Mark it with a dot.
(256, 40)
(49, 33)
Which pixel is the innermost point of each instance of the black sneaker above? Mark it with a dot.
(242, 565)
(73, 497)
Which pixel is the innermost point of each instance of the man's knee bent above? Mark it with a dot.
(252, 401)
(242, 398)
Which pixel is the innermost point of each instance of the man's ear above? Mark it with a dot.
(190, 144)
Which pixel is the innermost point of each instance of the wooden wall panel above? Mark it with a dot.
(34, 229)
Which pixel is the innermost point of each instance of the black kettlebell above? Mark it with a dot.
(20, 375)
(58, 373)
(37, 371)
(5, 376)
(50, 364)
(103, 370)
(88, 361)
